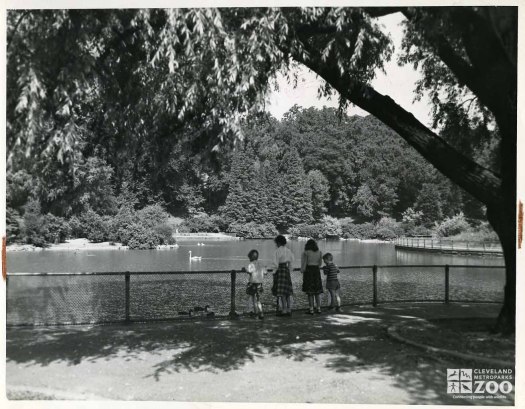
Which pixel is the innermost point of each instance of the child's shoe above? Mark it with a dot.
(338, 309)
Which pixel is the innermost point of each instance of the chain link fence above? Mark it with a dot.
(108, 297)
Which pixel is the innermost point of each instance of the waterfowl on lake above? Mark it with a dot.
(194, 257)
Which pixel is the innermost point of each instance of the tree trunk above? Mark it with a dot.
(503, 223)
(503, 218)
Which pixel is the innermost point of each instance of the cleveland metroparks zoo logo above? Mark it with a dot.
(459, 380)
(480, 381)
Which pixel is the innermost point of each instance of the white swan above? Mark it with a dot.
(194, 257)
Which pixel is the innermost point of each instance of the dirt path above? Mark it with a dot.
(344, 358)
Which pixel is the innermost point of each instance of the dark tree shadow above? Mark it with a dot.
(350, 342)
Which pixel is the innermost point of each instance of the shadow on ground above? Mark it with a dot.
(349, 342)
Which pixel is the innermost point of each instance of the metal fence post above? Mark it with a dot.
(127, 278)
(233, 313)
(374, 277)
(447, 283)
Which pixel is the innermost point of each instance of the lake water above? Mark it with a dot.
(94, 299)
(224, 255)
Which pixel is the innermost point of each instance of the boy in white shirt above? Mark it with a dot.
(255, 288)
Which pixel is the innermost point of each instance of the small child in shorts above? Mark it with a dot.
(255, 288)
(331, 272)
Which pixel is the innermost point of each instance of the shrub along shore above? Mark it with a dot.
(153, 227)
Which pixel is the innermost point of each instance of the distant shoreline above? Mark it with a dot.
(75, 245)
(85, 244)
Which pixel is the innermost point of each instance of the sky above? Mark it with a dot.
(398, 83)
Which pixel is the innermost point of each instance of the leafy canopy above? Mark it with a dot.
(68, 68)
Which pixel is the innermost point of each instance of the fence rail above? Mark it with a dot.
(61, 298)
(456, 246)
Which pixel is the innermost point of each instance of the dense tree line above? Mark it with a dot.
(355, 167)
(312, 164)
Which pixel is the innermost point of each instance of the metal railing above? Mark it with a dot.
(485, 247)
(107, 297)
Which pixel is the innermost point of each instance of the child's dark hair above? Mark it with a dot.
(253, 255)
(327, 257)
(311, 245)
(280, 240)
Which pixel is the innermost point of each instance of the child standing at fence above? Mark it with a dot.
(310, 262)
(282, 282)
(331, 272)
(255, 287)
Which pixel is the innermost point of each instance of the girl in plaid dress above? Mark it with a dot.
(282, 282)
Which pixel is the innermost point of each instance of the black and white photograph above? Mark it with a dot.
(310, 204)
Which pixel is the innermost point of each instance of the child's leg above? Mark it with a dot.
(318, 301)
(249, 304)
(256, 303)
(332, 298)
(286, 304)
(280, 305)
(259, 305)
(337, 298)
(311, 302)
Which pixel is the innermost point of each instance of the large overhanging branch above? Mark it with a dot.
(474, 178)
(464, 71)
